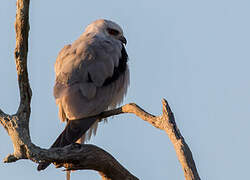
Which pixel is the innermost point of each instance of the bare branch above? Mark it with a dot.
(78, 157)
(167, 123)
(21, 52)
(92, 157)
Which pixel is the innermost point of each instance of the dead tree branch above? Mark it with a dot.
(75, 156)
(167, 123)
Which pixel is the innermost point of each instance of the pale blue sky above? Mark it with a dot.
(193, 53)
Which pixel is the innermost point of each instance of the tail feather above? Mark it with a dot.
(72, 132)
(68, 175)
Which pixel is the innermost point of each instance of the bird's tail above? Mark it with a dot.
(68, 175)
(72, 132)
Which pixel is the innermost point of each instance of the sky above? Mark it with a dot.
(193, 53)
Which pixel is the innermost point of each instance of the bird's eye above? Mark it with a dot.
(113, 32)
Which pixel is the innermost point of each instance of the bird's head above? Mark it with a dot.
(106, 28)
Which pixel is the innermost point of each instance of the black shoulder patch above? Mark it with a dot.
(118, 71)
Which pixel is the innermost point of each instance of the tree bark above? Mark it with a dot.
(77, 156)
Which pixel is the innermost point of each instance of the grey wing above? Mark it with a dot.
(81, 72)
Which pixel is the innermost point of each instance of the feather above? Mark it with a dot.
(91, 76)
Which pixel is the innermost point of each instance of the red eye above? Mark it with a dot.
(113, 32)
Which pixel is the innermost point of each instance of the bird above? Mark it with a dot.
(92, 75)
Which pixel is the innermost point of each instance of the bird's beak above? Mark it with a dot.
(123, 39)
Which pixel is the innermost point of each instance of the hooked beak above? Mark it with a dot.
(123, 39)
